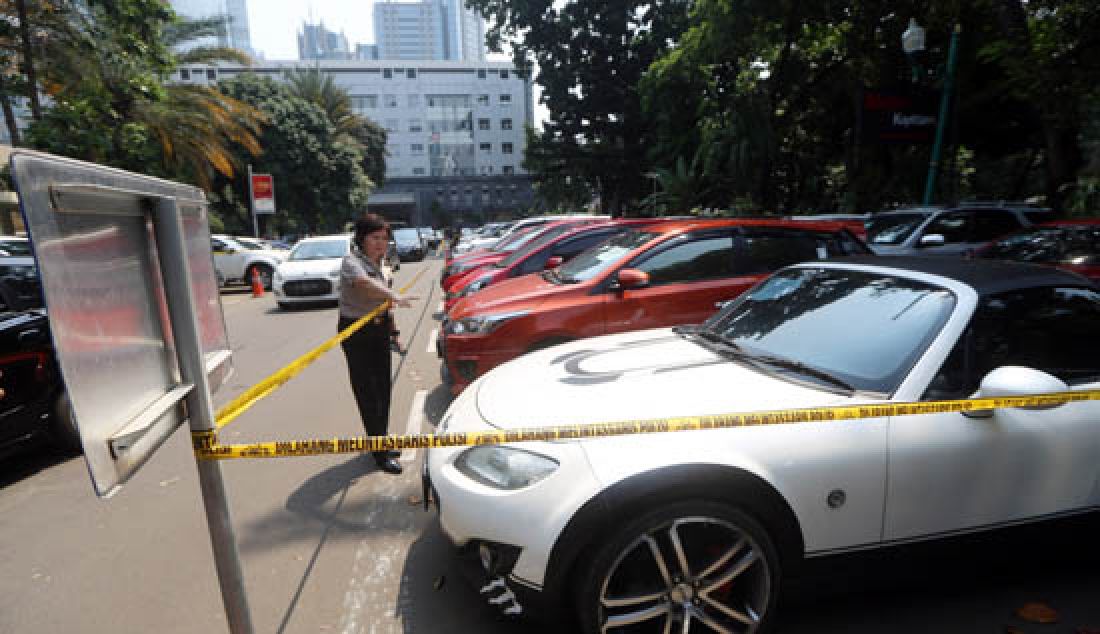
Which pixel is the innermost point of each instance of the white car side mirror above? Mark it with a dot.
(1011, 380)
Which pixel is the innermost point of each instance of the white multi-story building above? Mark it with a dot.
(456, 130)
(428, 30)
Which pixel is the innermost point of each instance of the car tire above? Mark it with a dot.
(692, 566)
(266, 275)
(63, 425)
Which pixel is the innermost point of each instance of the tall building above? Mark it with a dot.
(236, 35)
(429, 29)
(317, 42)
(455, 131)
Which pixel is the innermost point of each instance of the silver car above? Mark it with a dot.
(936, 231)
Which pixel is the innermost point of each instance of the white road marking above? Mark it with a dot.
(371, 568)
(415, 422)
(439, 308)
(432, 339)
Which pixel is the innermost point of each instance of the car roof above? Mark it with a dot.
(986, 277)
(344, 236)
(670, 226)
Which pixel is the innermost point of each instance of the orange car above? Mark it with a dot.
(661, 275)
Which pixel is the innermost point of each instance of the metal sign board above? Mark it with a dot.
(96, 233)
(263, 194)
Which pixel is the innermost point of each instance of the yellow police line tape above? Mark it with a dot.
(207, 447)
(252, 395)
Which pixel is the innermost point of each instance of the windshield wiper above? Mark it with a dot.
(802, 368)
(718, 343)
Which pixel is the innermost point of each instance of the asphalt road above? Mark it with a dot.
(330, 544)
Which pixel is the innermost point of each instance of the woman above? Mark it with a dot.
(364, 286)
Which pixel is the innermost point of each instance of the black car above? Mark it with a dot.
(33, 403)
(20, 287)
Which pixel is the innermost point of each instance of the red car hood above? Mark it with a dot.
(518, 293)
(482, 259)
(458, 283)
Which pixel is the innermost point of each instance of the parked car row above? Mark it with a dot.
(616, 276)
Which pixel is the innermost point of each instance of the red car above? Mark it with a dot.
(553, 248)
(659, 275)
(506, 246)
(462, 263)
(1073, 245)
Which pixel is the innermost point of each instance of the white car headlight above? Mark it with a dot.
(504, 467)
(334, 274)
(482, 324)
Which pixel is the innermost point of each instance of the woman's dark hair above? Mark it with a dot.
(369, 223)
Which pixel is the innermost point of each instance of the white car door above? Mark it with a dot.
(952, 472)
(229, 258)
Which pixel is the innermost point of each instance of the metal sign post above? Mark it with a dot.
(200, 409)
(135, 315)
(252, 205)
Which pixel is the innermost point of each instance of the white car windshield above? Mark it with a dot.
(320, 250)
(858, 328)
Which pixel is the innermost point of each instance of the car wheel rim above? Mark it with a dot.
(697, 574)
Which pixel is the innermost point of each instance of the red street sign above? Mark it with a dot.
(263, 194)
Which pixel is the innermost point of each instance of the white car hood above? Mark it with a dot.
(309, 268)
(631, 376)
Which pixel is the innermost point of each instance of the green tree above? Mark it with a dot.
(319, 180)
(319, 88)
(590, 55)
(105, 67)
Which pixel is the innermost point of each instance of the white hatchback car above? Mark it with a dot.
(311, 273)
(694, 531)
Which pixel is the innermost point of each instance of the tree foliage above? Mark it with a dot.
(317, 169)
(590, 56)
(763, 95)
(318, 88)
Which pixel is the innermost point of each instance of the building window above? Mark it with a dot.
(364, 102)
(485, 147)
(211, 74)
(504, 74)
(507, 169)
(392, 125)
(482, 124)
(387, 73)
(505, 100)
(483, 100)
(411, 73)
(418, 171)
(185, 74)
(417, 148)
(505, 148)
(486, 170)
(481, 74)
(415, 125)
(505, 124)
(390, 101)
(414, 101)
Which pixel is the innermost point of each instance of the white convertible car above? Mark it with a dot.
(694, 531)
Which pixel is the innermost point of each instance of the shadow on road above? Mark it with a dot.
(301, 308)
(437, 598)
(970, 584)
(33, 457)
(436, 404)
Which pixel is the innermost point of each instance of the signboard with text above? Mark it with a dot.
(263, 194)
(898, 116)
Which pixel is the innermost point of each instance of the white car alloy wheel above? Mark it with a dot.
(687, 567)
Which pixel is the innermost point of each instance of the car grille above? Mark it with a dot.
(307, 288)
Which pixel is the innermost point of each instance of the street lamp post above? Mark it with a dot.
(653, 177)
(912, 42)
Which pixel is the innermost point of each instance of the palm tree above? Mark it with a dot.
(317, 88)
(92, 69)
(197, 126)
